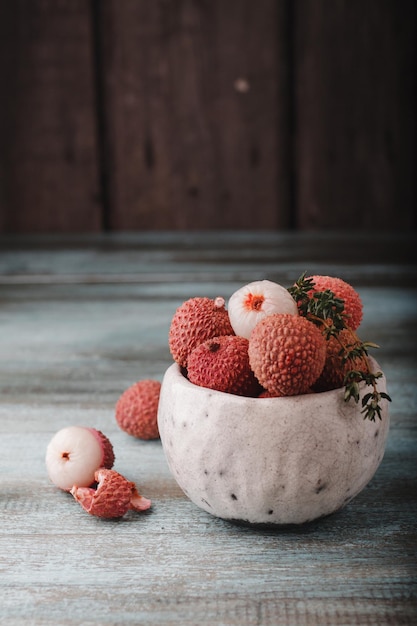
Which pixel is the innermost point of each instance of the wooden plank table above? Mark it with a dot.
(82, 318)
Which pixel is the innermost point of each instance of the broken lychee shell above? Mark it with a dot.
(112, 498)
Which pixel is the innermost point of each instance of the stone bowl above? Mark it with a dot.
(268, 461)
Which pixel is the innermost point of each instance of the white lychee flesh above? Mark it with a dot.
(251, 303)
(72, 457)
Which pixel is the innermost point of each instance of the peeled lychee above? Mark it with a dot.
(287, 353)
(335, 369)
(195, 321)
(75, 453)
(251, 303)
(113, 497)
(353, 307)
(137, 409)
(222, 363)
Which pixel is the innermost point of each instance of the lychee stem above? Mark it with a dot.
(219, 302)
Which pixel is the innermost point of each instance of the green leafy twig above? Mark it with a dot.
(327, 311)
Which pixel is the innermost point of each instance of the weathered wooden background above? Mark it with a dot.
(196, 114)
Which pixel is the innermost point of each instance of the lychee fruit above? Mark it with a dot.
(251, 303)
(113, 497)
(137, 409)
(73, 455)
(335, 368)
(286, 353)
(222, 363)
(195, 321)
(353, 307)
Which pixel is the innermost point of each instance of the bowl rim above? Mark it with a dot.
(180, 375)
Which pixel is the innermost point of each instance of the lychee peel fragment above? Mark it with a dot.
(108, 452)
(113, 497)
(138, 502)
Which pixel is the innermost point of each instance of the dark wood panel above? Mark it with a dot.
(48, 160)
(196, 113)
(190, 114)
(355, 114)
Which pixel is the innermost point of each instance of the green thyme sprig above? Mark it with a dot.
(327, 311)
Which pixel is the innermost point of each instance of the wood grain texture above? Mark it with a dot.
(196, 114)
(355, 67)
(80, 320)
(189, 114)
(49, 160)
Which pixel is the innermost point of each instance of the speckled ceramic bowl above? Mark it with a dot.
(271, 460)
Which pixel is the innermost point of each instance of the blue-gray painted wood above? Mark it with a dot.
(83, 318)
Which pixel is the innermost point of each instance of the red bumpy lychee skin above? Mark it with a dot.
(345, 291)
(108, 452)
(222, 363)
(195, 321)
(114, 495)
(287, 354)
(335, 369)
(137, 409)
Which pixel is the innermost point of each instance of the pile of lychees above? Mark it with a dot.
(271, 341)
